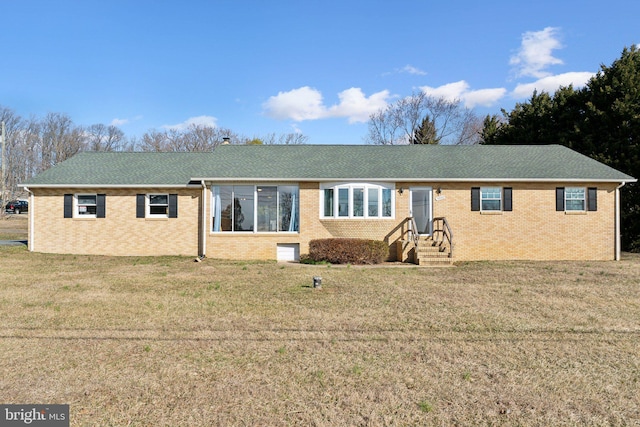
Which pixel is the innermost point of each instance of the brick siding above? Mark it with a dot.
(533, 230)
(120, 232)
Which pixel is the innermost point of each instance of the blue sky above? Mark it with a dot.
(315, 67)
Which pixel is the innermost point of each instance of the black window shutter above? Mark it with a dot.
(140, 198)
(559, 198)
(173, 206)
(592, 199)
(507, 199)
(68, 205)
(475, 198)
(101, 205)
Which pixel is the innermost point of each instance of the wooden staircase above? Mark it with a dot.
(434, 249)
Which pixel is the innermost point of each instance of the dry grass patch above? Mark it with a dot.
(13, 227)
(166, 341)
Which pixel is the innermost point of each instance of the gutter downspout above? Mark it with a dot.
(31, 221)
(203, 237)
(617, 220)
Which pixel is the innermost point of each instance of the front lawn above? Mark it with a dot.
(168, 341)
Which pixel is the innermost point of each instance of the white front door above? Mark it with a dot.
(421, 208)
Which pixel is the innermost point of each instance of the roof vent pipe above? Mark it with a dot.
(225, 140)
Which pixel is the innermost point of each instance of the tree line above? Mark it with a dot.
(34, 145)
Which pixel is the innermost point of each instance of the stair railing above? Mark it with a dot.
(411, 231)
(442, 232)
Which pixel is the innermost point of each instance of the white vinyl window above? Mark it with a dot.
(574, 199)
(357, 200)
(491, 198)
(86, 205)
(158, 206)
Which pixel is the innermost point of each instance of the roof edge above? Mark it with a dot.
(108, 186)
(416, 180)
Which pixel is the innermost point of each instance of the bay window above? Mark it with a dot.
(357, 200)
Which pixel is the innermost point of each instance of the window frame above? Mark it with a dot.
(281, 189)
(506, 199)
(484, 192)
(70, 206)
(590, 203)
(357, 202)
(77, 205)
(148, 206)
(567, 193)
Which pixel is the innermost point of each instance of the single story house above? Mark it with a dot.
(428, 203)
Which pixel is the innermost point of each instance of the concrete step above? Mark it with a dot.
(425, 248)
(434, 255)
(443, 262)
(432, 251)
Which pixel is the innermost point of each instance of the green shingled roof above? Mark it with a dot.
(330, 162)
(122, 169)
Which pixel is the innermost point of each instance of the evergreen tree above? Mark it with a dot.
(602, 121)
(490, 126)
(426, 133)
(611, 131)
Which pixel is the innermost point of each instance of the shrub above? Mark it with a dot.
(348, 251)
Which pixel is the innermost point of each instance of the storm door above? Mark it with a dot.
(421, 209)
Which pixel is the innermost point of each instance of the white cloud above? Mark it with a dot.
(550, 84)
(119, 122)
(304, 103)
(413, 70)
(356, 106)
(535, 53)
(450, 91)
(205, 121)
(460, 91)
(408, 69)
(483, 97)
(307, 103)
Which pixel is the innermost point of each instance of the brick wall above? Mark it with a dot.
(533, 230)
(120, 232)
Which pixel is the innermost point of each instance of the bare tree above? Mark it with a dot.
(293, 138)
(206, 138)
(100, 137)
(60, 139)
(400, 122)
(12, 166)
(34, 145)
(153, 141)
(471, 131)
(195, 138)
